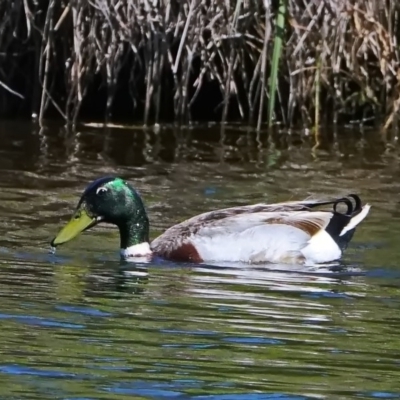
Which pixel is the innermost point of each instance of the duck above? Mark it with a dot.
(310, 231)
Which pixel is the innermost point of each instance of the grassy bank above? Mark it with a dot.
(297, 62)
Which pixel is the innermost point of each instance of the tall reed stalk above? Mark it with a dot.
(276, 58)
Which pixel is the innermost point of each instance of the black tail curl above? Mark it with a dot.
(352, 209)
(352, 201)
(341, 219)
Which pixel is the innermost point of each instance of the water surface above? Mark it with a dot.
(82, 325)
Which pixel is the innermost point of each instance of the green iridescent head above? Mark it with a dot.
(110, 200)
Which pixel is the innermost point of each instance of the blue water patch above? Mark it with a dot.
(20, 370)
(202, 346)
(160, 302)
(382, 395)
(28, 305)
(210, 191)
(327, 294)
(383, 273)
(56, 259)
(83, 310)
(225, 309)
(184, 332)
(187, 382)
(338, 351)
(156, 389)
(252, 340)
(338, 330)
(194, 346)
(154, 393)
(39, 321)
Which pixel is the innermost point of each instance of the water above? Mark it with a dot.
(81, 325)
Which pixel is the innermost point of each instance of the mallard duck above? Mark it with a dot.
(289, 232)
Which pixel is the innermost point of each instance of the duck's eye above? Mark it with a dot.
(101, 190)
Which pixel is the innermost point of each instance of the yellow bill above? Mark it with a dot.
(78, 223)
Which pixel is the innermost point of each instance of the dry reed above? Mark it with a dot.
(339, 62)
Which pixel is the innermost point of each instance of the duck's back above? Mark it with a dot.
(291, 232)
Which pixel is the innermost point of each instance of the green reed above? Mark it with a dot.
(276, 57)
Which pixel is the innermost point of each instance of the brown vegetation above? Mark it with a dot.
(171, 59)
